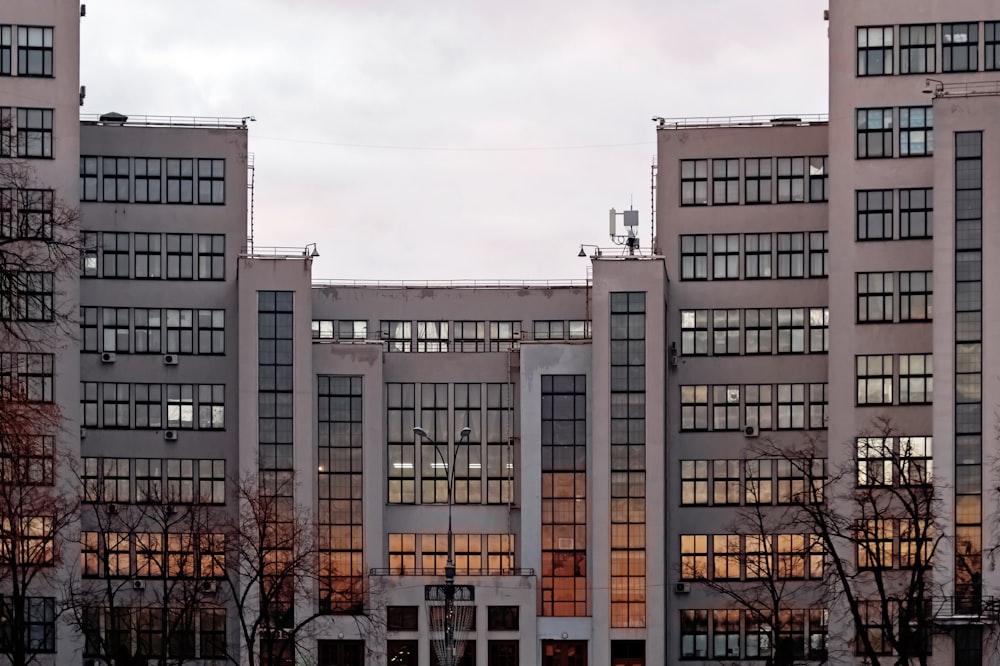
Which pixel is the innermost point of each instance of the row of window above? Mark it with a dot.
(736, 482)
(153, 406)
(917, 51)
(895, 461)
(891, 543)
(761, 330)
(25, 132)
(153, 330)
(463, 336)
(34, 50)
(407, 653)
(752, 557)
(154, 480)
(145, 256)
(765, 256)
(876, 379)
(154, 634)
(736, 406)
(153, 180)
(764, 180)
(798, 633)
(498, 618)
(470, 556)
(433, 336)
(874, 220)
(152, 554)
(875, 131)
(876, 296)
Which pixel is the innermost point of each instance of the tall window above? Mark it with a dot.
(148, 331)
(916, 379)
(791, 330)
(791, 179)
(147, 180)
(694, 407)
(726, 331)
(468, 456)
(726, 407)
(34, 51)
(874, 133)
(873, 214)
(874, 297)
(725, 182)
(694, 182)
(818, 399)
(211, 331)
(180, 256)
(694, 482)
(212, 182)
(34, 132)
(694, 257)
(916, 295)
(757, 256)
(726, 487)
(211, 257)
(115, 329)
(148, 256)
(694, 332)
(434, 458)
(758, 331)
(115, 251)
(400, 417)
(791, 255)
(916, 213)
(874, 379)
(115, 179)
(759, 481)
(875, 51)
(694, 556)
(726, 256)
(499, 449)
(916, 130)
(819, 254)
(819, 330)
(757, 405)
(960, 47)
(819, 176)
(992, 29)
(791, 406)
(694, 634)
(88, 178)
(564, 493)
(917, 49)
(5, 49)
(180, 181)
(758, 180)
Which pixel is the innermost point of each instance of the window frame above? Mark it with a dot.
(867, 52)
(868, 131)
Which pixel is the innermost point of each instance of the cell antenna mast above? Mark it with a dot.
(631, 221)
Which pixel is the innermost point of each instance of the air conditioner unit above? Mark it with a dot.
(108, 357)
(209, 586)
(138, 585)
(170, 435)
(751, 431)
(682, 588)
(170, 359)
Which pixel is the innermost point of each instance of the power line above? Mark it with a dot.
(454, 149)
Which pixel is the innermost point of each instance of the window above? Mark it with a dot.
(874, 297)
(543, 330)
(791, 330)
(211, 406)
(916, 295)
(180, 406)
(501, 653)
(147, 256)
(818, 620)
(88, 178)
(758, 634)
(791, 406)
(400, 413)
(757, 401)
(504, 335)
(212, 182)
(180, 256)
(579, 329)
(916, 213)
(992, 29)
(26, 213)
(725, 182)
(791, 556)
(115, 481)
(791, 179)
(211, 331)
(757, 258)
(917, 49)
(694, 634)
(470, 336)
(694, 332)
(818, 400)
(694, 257)
(34, 51)
(959, 47)
(874, 378)
(39, 624)
(5, 50)
(726, 482)
(759, 482)
(791, 255)
(212, 481)
(89, 253)
(212, 623)
(26, 376)
(34, 132)
(819, 330)
(180, 181)
(148, 480)
(211, 257)
(819, 176)
(432, 336)
(914, 461)
(758, 332)
(115, 405)
(180, 331)
(115, 330)
(875, 51)
(147, 330)
(874, 214)
(916, 130)
(726, 256)
(874, 538)
(115, 179)
(88, 404)
(726, 407)
(916, 379)
(90, 560)
(115, 254)
(694, 407)
(758, 180)
(26, 296)
(502, 618)
(726, 331)
(694, 556)
(694, 182)
(874, 133)
(875, 461)
(792, 488)
(88, 329)
(180, 481)
(147, 180)
(402, 553)
(726, 632)
(759, 554)
(401, 618)
(694, 482)
(916, 543)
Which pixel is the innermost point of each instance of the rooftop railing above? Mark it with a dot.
(788, 120)
(220, 122)
(459, 571)
(962, 88)
(450, 284)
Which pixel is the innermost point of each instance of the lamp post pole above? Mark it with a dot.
(449, 567)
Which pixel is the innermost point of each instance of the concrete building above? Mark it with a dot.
(610, 455)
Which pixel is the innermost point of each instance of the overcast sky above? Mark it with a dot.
(452, 139)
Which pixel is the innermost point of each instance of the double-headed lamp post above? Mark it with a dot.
(449, 567)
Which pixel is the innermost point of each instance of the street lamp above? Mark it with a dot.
(449, 567)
